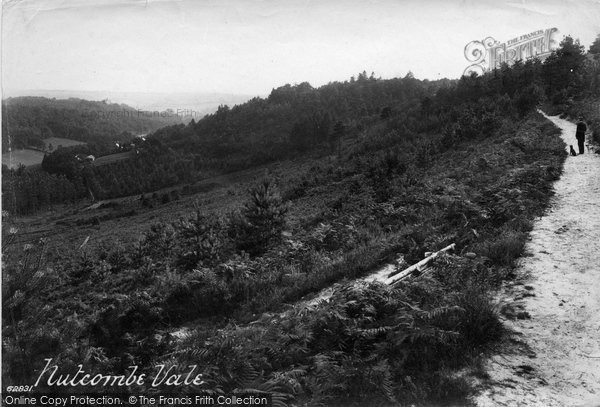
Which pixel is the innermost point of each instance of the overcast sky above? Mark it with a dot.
(251, 46)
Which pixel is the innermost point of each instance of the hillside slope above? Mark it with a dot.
(298, 118)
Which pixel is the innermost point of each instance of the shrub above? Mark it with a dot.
(202, 240)
(298, 190)
(528, 98)
(504, 250)
(202, 294)
(158, 242)
(480, 323)
(333, 236)
(261, 221)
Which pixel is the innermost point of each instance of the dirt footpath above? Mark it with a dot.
(553, 356)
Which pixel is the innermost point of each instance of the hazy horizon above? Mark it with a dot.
(248, 48)
(197, 103)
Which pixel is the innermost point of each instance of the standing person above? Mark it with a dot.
(580, 133)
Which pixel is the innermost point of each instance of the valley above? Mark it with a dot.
(200, 243)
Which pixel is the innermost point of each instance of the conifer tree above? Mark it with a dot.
(262, 219)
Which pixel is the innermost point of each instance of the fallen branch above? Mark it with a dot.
(397, 275)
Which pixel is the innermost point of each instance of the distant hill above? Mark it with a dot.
(192, 104)
(28, 121)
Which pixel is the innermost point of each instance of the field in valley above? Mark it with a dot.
(112, 158)
(57, 142)
(29, 157)
(26, 157)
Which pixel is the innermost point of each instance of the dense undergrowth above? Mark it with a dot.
(477, 174)
(113, 307)
(373, 345)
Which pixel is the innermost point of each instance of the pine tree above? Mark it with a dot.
(262, 219)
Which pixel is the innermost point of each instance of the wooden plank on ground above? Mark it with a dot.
(399, 275)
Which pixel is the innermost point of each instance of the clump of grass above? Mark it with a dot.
(449, 387)
(504, 250)
(480, 322)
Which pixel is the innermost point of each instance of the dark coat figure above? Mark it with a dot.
(580, 134)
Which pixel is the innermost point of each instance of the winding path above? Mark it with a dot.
(552, 357)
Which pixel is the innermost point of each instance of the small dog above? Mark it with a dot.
(573, 153)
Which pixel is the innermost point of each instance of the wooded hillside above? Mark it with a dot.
(27, 121)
